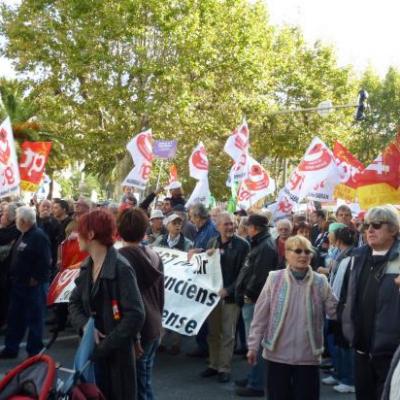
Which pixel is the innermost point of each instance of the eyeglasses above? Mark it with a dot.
(300, 251)
(375, 225)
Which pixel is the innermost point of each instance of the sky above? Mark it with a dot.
(362, 31)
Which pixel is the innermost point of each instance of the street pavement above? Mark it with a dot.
(175, 377)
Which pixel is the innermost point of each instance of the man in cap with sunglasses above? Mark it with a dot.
(371, 322)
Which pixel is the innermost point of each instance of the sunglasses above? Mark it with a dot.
(300, 251)
(375, 225)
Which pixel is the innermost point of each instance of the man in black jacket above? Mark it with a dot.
(29, 275)
(374, 301)
(262, 259)
(223, 319)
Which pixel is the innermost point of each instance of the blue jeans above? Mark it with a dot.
(255, 378)
(144, 370)
(345, 365)
(26, 311)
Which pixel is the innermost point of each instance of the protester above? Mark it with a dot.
(81, 206)
(174, 239)
(60, 212)
(223, 319)
(175, 188)
(242, 228)
(373, 300)
(318, 220)
(107, 291)
(284, 228)
(51, 227)
(148, 268)
(261, 259)
(29, 276)
(156, 227)
(205, 232)
(166, 206)
(188, 228)
(214, 213)
(343, 215)
(8, 235)
(343, 355)
(291, 298)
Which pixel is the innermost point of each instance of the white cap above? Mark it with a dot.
(171, 218)
(175, 185)
(156, 214)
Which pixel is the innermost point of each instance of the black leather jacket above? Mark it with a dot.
(261, 259)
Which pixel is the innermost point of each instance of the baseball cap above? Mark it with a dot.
(156, 214)
(174, 185)
(171, 218)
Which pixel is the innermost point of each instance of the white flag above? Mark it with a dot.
(141, 151)
(198, 162)
(255, 185)
(9, 171)
(238, 142)
(201, 193)
(316, 175)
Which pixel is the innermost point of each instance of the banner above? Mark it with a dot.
(348, 166)
(191, 289)
(165, 149)
(316, 175)
(255, 185)
(33, 161)
(198, 163)
(9, 172)
(141, 151)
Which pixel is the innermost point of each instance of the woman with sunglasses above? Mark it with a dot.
(289, 320)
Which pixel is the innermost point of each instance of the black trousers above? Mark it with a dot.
(292, 382)
(370, 374)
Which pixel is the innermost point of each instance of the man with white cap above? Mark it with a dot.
(156, 227)
(174, 239)
(175, 188)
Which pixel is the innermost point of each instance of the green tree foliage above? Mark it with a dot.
(100, 71)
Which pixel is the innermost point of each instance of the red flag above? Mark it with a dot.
(348, 165)
(32, 163)
(384, 169)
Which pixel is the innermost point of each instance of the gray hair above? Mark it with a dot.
(386, 213)
(199, 210)
(12, 211)
(27, 214)
(222, 215)
(284, 222)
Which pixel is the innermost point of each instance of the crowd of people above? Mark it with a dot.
(309, 291)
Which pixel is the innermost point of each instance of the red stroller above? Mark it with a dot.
(36, 379)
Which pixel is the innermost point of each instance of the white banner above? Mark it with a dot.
(141, 150)
(255, 185)
(9, 170)
(198, 162)
(191, 289)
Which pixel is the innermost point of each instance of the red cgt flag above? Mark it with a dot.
(32, 164)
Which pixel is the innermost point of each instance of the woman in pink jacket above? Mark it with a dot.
(288, 321)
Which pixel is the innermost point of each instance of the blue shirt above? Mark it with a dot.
(204, 235)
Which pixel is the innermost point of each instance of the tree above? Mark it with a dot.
(190, 70)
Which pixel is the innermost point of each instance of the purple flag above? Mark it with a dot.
(165, 148)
